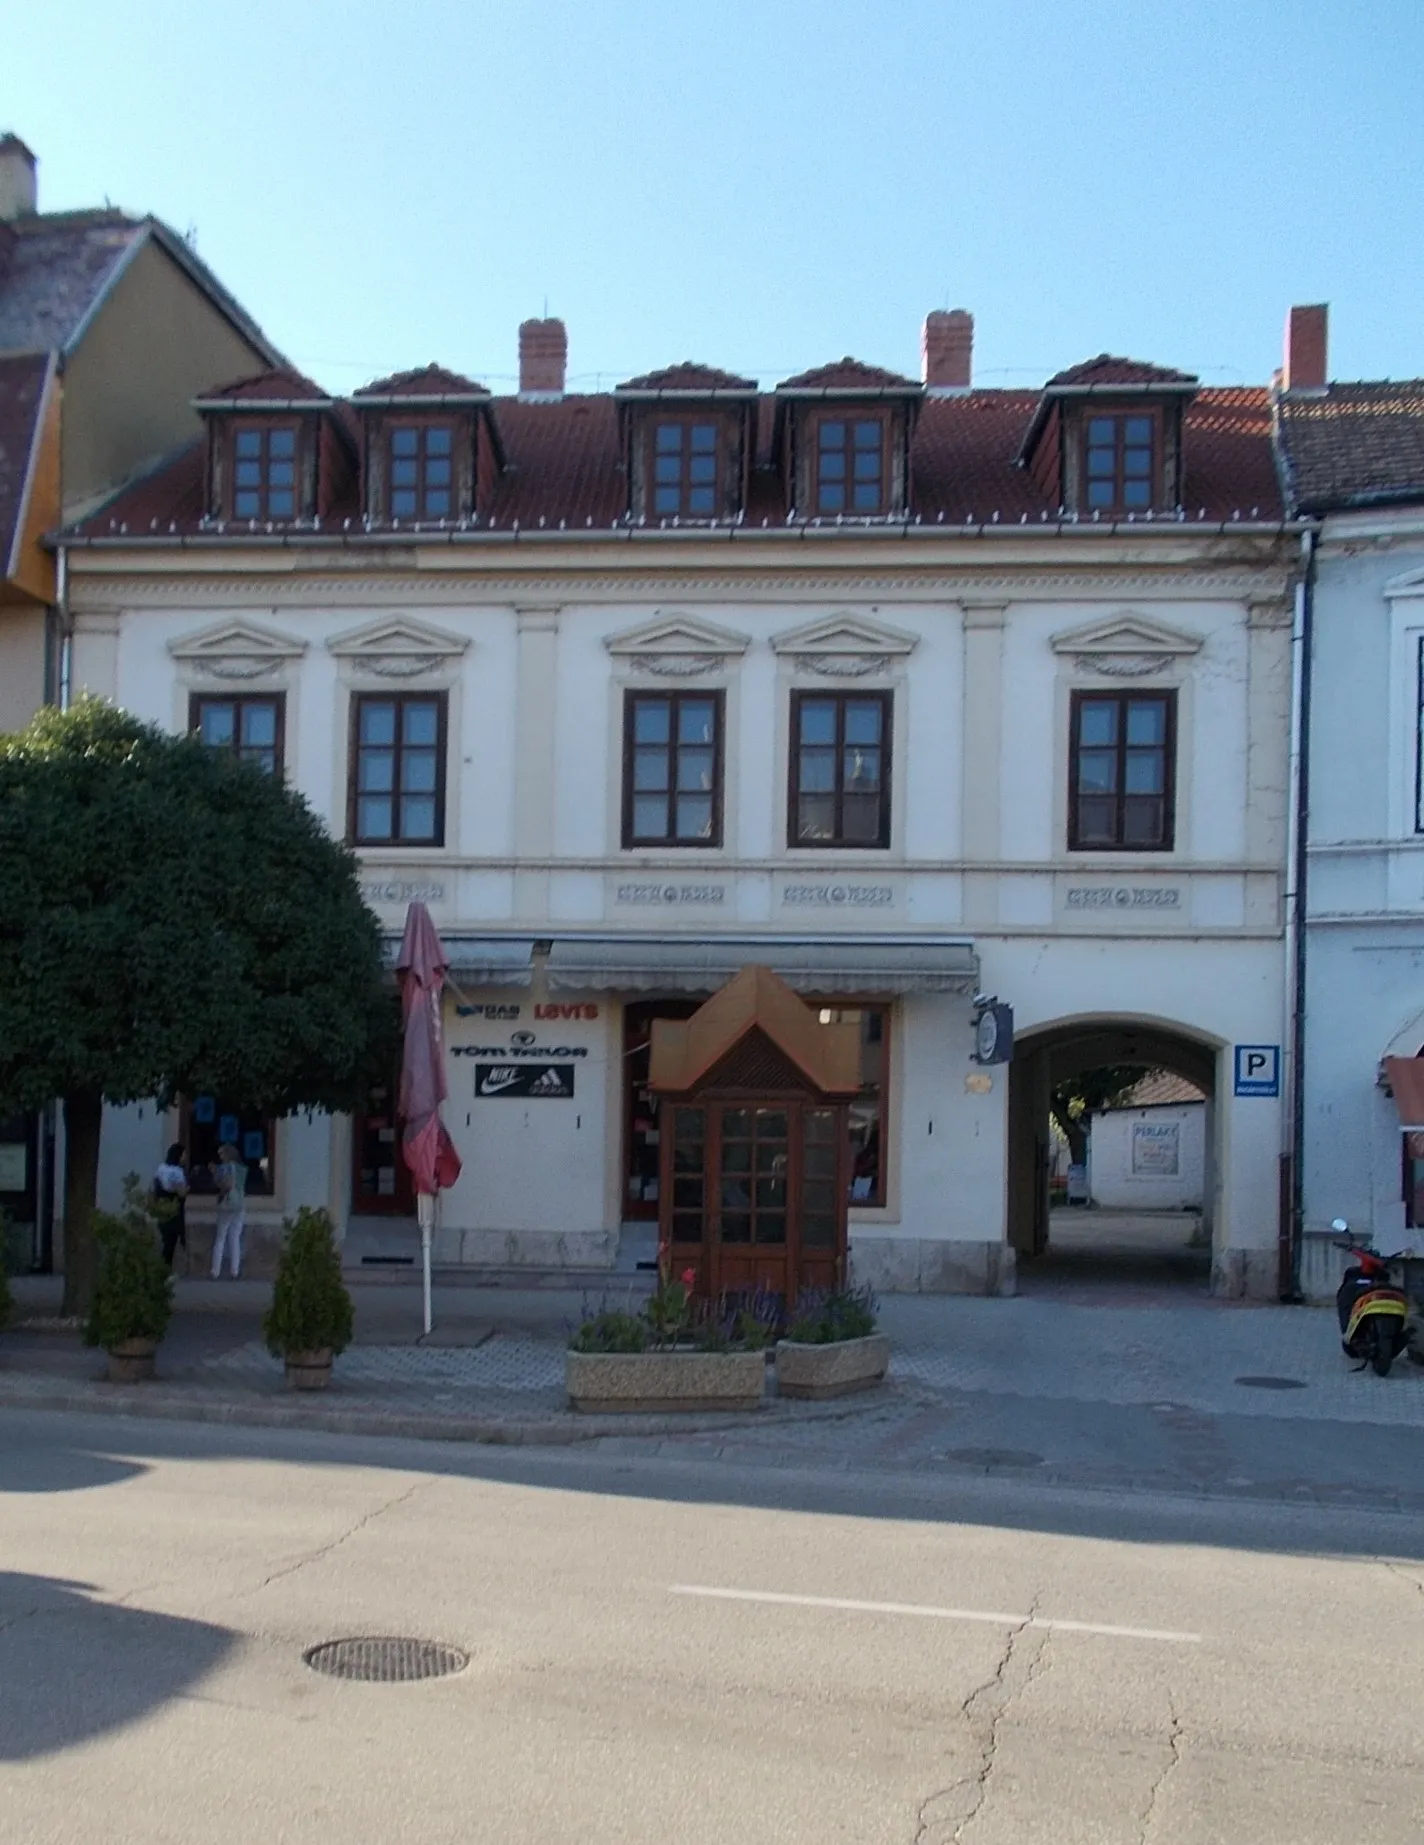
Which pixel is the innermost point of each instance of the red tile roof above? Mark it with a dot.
(1106, 369)
(281, 385)
(429, 381)
(849, 375)
(565, 467)
(688, 376)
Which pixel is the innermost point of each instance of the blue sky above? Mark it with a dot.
(762, 186)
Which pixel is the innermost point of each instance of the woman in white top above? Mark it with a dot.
(170, 1182)
(231, 1176)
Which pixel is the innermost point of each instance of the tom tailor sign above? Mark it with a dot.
(533, 1082)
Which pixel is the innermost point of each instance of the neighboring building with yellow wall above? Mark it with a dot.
(109, 325)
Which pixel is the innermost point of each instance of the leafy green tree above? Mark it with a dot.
(1072, 1101)
(172, 920)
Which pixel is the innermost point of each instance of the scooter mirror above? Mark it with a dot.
(1339, 1226)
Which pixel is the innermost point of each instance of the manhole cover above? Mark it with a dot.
(996, 1457)
(385, 1659)
(1272, 1383)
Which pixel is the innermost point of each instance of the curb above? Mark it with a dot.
(571, 1428)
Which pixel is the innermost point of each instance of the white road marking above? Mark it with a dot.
(936, 1614)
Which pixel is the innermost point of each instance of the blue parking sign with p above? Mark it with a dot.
(1258, 1069)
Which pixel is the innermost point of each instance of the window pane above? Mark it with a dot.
(405, 441)
(736, 1124)
(867, 497)
(833, 435)
(1097, 821)
(694, 816)
(437, 472)
(1137, 461)
(249, 473)
(1146, 721)
(1139, 429)
(668, 469)
(248, 442)
(867, 467)
(736, 1155)
(259, 725)
(403, 505)
(649, 817)
(668, 438)
(833, 466)
(687, 1227)
(1144, 772)
(216, 724)
(650, 769)
(1102, 429)
(418, 771)
(860, 818)
(1100, 461)
(1136, 493)
(421, 723)
(696, 719)
(818, 1230)
(771, 1227)
(702, 468)
(687, 1193)
(687, 1125)
(1100, 493)
(863, 718)
(376, 771)
(437, 504)
(282, 443)
(832, 498)
(280, 504)
(817, 720)
(1097, 772)
(667, 500)
(651, 720)
(373, 817)
(246, 504)
(861, 770)
(282, 474)
(417, 817)
(405, 473)
(816, 817)
(437, 441)
(694, 770)
(1142, 822)
(736, 1227)
(704, 436)
(867, 435)
(771, 1194)
(378, 721)
(818, 772)
(702, 501)
(1097, 720)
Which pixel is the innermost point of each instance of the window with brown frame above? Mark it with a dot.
(250, 724)
(672, 769)
(264, 471)
(850, 465)
(1121, 771)
(421, 462)
(397, 779)
(684, 471)
(840, 769)
(1120, 462)
(868, 1112)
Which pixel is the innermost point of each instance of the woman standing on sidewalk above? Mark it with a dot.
(230, 1175)
(170, 1183)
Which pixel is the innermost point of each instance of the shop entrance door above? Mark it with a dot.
(642, 1164)
(381, 1184)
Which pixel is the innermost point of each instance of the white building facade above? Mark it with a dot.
(902, 758)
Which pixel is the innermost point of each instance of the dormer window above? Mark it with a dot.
(684, 469)
(264, 472)
(850, 465)
(1119, 462)
(422, 471)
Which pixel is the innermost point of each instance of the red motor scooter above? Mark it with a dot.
(1372, 1310)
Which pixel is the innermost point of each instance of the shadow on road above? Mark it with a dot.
(119, 1663)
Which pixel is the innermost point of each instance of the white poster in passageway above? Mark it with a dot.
(1156, 1149)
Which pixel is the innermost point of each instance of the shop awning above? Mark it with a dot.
(690, 964)
(1405, 1076)
(490, 960)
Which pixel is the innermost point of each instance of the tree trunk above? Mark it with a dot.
(83, 1120)
(1077, 1143)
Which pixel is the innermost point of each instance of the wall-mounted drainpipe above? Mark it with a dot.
(1302, 631)
(66, 628)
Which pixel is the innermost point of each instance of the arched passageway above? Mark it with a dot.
(1060, 1246)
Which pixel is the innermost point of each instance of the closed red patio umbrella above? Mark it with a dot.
(426, 1146)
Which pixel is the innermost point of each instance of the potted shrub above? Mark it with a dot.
(310, 1319)
(133, 1290)
(831, 1346)
(672, 1353)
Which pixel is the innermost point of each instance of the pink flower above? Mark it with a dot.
(689, 1276)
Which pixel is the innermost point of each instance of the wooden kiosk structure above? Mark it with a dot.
(754, 1094)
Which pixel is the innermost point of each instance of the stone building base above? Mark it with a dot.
(1246, 1274)
(930, 1265)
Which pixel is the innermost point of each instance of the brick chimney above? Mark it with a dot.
(18, 195)
(947, 352)
(543, 357)
(1305, 366)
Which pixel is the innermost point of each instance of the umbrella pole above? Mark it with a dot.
(425, 1206)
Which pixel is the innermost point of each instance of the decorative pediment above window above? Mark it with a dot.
(677, 646)
(398, 647)
(1125, 646)
(844, 646)
(237, 650)
(1411, 584)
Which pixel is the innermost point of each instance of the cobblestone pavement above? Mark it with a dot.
(1148, 1395)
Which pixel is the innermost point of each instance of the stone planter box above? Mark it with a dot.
(614, 1382)
(308, 1370)
(834, 1370)
(131, 1361)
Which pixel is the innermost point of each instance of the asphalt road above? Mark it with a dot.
(888, 1657)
